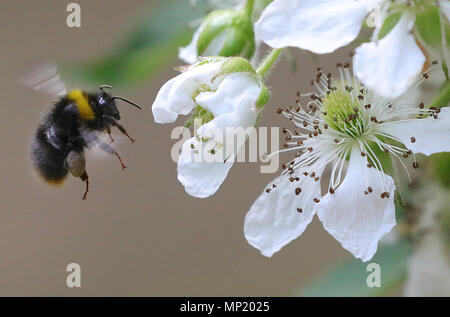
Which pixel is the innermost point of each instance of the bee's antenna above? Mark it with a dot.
(105, 86)
(128, 101)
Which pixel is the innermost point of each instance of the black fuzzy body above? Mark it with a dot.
(62, 130)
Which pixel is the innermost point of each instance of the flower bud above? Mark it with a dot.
(222, 33)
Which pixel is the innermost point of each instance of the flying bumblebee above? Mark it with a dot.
(74, 123)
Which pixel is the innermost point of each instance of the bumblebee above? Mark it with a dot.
(73, 124)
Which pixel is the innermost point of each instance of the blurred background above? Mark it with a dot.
(139, 233)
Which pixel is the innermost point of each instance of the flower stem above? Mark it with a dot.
(267, 63)
(443, 99)
(249, 7)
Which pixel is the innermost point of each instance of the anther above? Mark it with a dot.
(413, 139)
(298, 190)
(421, 106)
(268, 190)
(415, 165)
(332, 191)
(369, 189)
(300, 210)
(279, 110)
(385, 195)
(316, 200)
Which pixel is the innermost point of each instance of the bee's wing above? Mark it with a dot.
(45, 78)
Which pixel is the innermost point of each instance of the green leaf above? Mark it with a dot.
(389, 23)
(150, 46)
(428, 25)
(349, 278)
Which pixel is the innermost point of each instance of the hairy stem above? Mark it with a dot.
(268, 62)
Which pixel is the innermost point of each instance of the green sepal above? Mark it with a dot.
(389, 23)
(428, 25)
(235, 65)
(443, 98)
(384, 158)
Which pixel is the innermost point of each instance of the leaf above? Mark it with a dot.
(428, 25)
(389, 23)
(150, 46)
(349, 278)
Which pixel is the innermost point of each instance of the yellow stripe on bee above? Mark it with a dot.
(84, 109)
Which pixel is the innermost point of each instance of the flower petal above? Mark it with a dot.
(320, 26)
(273, 220)
(233, 106)
(355, 219)
(426, 136)
(445, 8)
(200, 171)
(176, 96)
(189, 53)
(389, 66)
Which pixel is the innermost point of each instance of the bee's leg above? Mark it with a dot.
(108, 131)
(109, 149)
(77, 167)
(85, 179)
(113, 122)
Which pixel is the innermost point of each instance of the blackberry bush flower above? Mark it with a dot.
(220, 93)
(389, 63)
(345, 122)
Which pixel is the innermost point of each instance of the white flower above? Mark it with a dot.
(345, 122)
(223, 93)
(388, 66)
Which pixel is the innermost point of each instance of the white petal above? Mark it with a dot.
(232, 104)
(201, 174)
(232, 91)
(356, 220)
(189, 53)
(273, 220)
(162, 113)
(320, 26)
(445, 8)
(430, 135)
(175, 97)
(389, 66)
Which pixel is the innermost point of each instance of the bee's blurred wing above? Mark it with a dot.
(45, 78)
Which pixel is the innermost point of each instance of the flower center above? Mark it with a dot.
(342, 113)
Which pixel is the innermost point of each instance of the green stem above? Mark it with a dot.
(249, 7)
(267, 63)
(443, 99)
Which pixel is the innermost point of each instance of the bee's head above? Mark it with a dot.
(107, 104)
